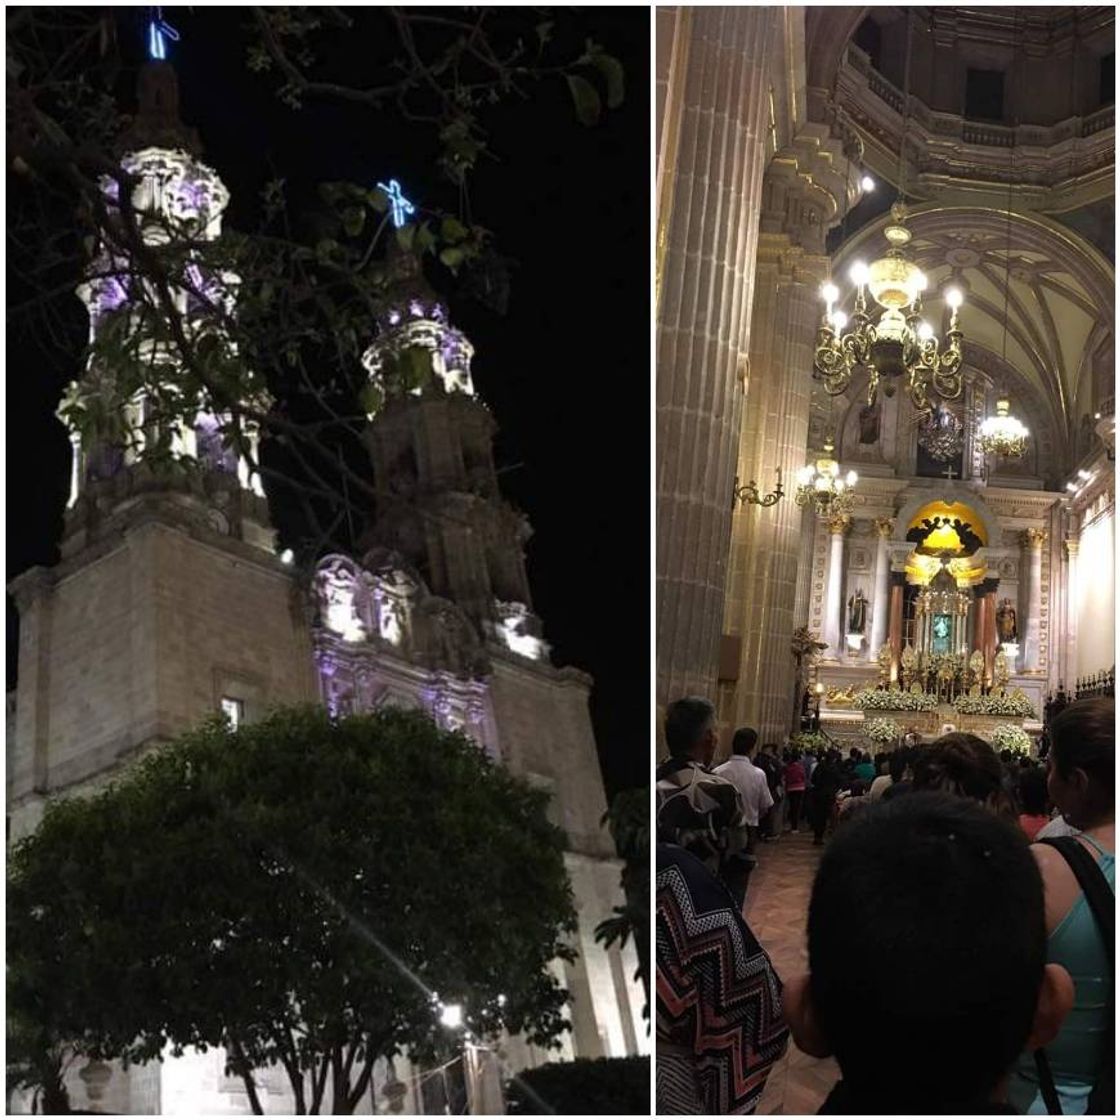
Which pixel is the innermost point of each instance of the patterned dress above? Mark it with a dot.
(720, 1027)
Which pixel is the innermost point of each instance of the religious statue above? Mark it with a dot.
(1007, 622)
(886, 660)
(869, 424)
(999, 669)
(857, 612)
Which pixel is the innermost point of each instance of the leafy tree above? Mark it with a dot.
(285, 356)
(302, 891)
(585, 1087)
(628, 818)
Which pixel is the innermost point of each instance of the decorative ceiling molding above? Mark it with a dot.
(1060, 300)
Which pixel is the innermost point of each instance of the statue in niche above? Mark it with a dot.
(1007, 622)
(857, 612)
(390, 621)
(869, 423)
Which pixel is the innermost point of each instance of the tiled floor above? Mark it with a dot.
(777, 909)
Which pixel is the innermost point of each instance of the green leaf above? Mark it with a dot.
(586, 100)
(353, 219)
(612, 72)
(544, 31)
(425, 239)
(453, 230)
(378, 200)
(372, 398)
(452, 257)
(405, 235)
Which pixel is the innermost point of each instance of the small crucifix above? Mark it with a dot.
(949, 473)
(401, 206)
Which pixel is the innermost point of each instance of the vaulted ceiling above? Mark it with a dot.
(1053, 291)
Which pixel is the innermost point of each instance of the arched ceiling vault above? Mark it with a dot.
(1059, 301)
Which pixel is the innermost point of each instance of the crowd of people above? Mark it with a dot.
(960, 927)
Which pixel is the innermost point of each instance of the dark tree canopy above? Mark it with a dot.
(302, 891)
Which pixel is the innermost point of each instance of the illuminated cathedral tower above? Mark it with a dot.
(143, 441)
(170, 602)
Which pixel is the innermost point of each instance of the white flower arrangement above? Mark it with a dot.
(882, 730)
(1008, 737)
(894, 700)
(809, 740)
(1014, 705)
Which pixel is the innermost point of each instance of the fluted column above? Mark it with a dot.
(1073, 593)
(834, 592)
(708, 223)
(894, 629)
(1033, 540)
(884, 528)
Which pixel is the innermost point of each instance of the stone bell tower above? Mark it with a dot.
(135, 445)
(431, 441)
(169, 602)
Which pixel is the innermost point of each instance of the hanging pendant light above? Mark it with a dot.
(819, 484)
(1003, 434)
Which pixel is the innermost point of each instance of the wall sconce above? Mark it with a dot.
(749, 494)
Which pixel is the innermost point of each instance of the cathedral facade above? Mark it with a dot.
(944, 176)
(171, 602)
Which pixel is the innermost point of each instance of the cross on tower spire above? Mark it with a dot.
(401, 206)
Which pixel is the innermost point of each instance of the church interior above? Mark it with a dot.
(885, 406)
(885, 395)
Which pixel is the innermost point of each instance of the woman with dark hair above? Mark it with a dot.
(968, 767)
(1081, 784)
(1033, 801)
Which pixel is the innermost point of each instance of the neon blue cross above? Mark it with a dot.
(158, 28)
(401, 206)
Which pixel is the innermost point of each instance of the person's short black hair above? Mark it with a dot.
(927, 941)
(685, 721)
(967, 766)
(1033, 797)
(1083, 737)
(897, 767)
(744, 740)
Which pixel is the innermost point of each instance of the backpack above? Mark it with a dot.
(1102, 903)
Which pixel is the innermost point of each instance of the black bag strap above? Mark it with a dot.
(1046, 1083)
(1098, 894)
(1102, 904)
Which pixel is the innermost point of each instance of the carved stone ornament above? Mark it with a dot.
(1034, 538)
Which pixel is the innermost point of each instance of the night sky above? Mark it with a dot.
(565, 371)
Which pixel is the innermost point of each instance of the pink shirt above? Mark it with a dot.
(795, 777)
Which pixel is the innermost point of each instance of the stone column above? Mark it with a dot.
(709, 216)
(989, 588)
(834, 591)
(978, 603)
(1073, 591)
(894, 632)
(884, 527)
(1033, 540)
(766, 541)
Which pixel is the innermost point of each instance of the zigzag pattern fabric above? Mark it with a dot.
(720, 1026)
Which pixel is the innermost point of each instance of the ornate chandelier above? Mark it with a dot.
(891, 340)
(941, 433)
(819, 484)
(1003, 434)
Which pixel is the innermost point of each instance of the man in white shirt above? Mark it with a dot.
(747, 778)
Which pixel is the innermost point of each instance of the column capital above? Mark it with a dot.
(884, 526)
(1073, 545)
(988, 586)
(838, 524)
(1033, 539)
(898, 579)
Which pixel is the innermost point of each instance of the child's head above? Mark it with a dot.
(927, 954)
